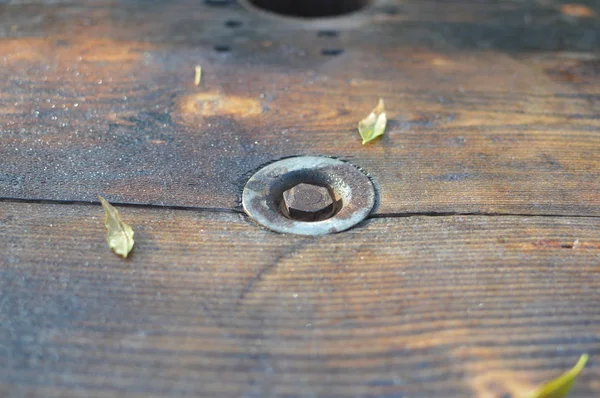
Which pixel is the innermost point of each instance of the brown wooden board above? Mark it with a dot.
(477, 276)
(493, 106)
(209, 304)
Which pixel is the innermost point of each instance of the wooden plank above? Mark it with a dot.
(211, 305)
(98, 99)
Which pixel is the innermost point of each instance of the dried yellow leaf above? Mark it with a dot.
(119, 235)
(198, 75)
(559, 387)
(373, 125)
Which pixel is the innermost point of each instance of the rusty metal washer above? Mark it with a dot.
(264, 191)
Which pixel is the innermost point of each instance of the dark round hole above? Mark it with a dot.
(331, 52)
(310, 8)
(232, 23)
(327, 33)
(222, 48)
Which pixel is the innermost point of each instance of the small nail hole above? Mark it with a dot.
(327, 33)
(331, 51)
(390, 10)
(222, 49)
(232, 23)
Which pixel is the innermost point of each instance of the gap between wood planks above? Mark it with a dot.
(239, 210)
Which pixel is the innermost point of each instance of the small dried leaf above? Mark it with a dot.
(373, 125)
(198, 75)
(559, 387)
(120, 235)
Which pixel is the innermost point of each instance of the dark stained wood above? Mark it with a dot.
(211, 305)
(493, 106)
(494, 112)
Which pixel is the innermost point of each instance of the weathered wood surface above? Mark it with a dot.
(494, 110)
(494, 106)
(210, 305)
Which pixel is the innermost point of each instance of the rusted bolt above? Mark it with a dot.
(308, 202)
(341, 184)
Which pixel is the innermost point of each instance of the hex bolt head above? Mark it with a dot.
(350, 188)
(308, 202)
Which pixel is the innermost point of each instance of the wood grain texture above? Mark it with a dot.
(210, 305)
(493, 106)
(494, 109)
